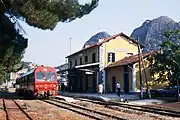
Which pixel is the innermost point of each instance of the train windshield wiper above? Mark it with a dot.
(43, 75)
(48, 76)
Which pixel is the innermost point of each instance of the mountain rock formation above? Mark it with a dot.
(150, 33)
(95, 38)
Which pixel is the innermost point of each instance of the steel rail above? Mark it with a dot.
(22, 110)
(136, 107)
(5, 109)
(83, 108)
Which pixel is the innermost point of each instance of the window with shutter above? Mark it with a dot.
(111, 57)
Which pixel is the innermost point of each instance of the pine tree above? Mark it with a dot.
(12, 46)
(45, 14)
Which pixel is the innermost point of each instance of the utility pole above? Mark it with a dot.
(70, 44)
(145, 75)
(140, 75)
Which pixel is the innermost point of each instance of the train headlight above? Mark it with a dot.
(37, 86)
(54, 85)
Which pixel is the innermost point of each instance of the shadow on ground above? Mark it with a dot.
(13, 95)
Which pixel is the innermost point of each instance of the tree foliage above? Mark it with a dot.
(12, 47)
(166, 62)
(45, 14)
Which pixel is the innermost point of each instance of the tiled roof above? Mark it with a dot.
(129, 60)
(107, 40)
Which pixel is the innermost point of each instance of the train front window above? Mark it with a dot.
(40, 76)
(50, 76)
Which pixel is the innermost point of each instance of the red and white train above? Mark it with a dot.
(40, 82)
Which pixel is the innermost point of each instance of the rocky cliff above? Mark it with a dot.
(150, 33)
(95, 38)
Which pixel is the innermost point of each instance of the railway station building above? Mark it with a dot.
(126, 72)
(96, 64)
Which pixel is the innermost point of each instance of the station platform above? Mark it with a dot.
(132, 98)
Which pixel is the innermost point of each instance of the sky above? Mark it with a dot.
(113, 16)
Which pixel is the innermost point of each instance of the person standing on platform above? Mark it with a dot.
(100, 89)
(118, 87)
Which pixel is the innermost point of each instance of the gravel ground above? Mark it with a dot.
(104, 117)
(126, 113)
(39, 110)
(13, 111)
(174, 106)
(1, 104)
(2, 112)
(2, 115)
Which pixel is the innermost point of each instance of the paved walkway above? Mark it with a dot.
(133, 99)
(146, 102)
(103, 96)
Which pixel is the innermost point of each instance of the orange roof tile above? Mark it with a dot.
(129, 60)
(107, 40)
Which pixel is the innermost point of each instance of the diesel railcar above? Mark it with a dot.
(40, 82)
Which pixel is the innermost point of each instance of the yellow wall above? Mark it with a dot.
(118, 73)
(151, 80)
(84, 53)
(120, 46)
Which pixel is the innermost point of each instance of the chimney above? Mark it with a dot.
(101, 39)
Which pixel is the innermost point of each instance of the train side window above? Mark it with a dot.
(32, 78)
(25, 79)
(28, 79)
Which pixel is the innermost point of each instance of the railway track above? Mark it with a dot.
(149, 109)
(94, 114)
(7, 110)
